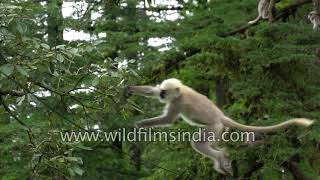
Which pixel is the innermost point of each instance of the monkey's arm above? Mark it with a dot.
(167, 118)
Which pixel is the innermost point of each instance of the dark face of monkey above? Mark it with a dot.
(169, 94)
(162, 94)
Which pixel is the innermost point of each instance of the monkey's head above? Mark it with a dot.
(167, 91)
(314, 17)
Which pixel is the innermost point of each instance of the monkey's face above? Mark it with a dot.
(168, 95)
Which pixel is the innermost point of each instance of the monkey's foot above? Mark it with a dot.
(228, 169)
(226, 165)
(218, 168)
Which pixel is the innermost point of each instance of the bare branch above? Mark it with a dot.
(291, 8)
(48, 88)
(158, 9)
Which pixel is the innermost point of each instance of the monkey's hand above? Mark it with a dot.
(160, 121)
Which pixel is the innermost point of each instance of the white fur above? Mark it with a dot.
(171, 83)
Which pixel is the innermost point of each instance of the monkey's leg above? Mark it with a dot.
(224, 160)
(225, 163)
(205, 149)
(217, 129)
(255, 21)
(203, 146)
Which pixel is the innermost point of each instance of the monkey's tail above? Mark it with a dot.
(292, 122)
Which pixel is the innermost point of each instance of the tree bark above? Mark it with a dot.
(55, 22)
(136, 155)
(271, 9)
(221, 92)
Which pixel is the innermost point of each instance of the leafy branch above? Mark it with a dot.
(24, 125)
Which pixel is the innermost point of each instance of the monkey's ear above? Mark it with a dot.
(177, 89)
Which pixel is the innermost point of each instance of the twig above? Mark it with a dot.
(77, 83)
(158, 9)
(239, 30)
(12, 114)
(48, 88)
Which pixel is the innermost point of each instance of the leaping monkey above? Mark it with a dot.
(197, 110)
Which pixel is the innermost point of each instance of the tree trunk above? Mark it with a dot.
(271, 10)
(55, 22)
(221, 92)
(136, 155)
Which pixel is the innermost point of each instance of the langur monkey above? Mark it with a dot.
(314, 17)
(197, 110)
(262, 11)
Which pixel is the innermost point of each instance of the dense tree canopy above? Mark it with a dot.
(64, 66)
